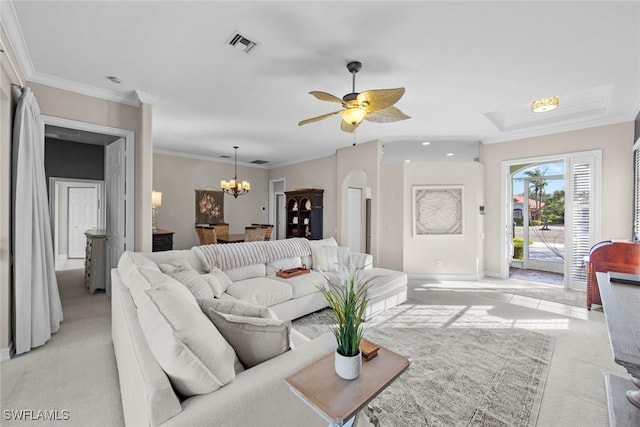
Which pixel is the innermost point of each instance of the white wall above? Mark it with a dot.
(392, 223)
(443, 255)
(178, 177)
(317, 173)
(616, 143)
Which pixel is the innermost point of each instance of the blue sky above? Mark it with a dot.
(556, 168)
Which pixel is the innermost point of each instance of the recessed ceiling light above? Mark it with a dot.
(449, 154)
(426, 143)
(114, 79)
(545, 104)
(407, 161)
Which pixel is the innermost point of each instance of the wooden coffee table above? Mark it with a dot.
(338, 400)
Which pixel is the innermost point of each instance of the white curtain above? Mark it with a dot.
(38, 311)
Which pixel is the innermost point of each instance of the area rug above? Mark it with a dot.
(457, 377)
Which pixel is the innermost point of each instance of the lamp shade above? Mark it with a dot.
(156, 198)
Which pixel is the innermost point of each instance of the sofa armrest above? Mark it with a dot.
(360, 260)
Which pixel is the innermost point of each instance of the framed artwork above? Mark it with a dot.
(437, 210)
(209, 207)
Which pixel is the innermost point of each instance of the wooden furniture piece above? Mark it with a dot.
(232, 238)
(304, 213)
(162, 240)
(254, 234)
(222, 229)
(206, 235)
(620, 303)
(269, 228)
(620, 256)
(337, 400)
(95, 259)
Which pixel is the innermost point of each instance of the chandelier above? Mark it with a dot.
(234, 187)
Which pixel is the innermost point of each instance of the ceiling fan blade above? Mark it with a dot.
(324, 96)
(388, 115)
(348, 127)
(379, 99)
(318, 118)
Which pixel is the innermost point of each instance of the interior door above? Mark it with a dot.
(281, 216)
(354, 219)
(115, 173)
(83, 215)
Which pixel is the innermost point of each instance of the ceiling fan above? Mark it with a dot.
(374, 105)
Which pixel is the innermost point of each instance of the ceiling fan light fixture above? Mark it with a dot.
(545, 104)
(353, 115)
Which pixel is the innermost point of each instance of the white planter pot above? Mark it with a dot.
(348, 367)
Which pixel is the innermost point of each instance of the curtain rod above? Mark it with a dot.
(3, 49)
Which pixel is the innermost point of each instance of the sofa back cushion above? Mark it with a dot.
(182, 271)
(254, 339)
(129, 267)
(283, 264)
(329, 241)
(218, 281)
(330, 258)
(247, 272)
(196, 358)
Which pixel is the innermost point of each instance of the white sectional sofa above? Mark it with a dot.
(158, 366)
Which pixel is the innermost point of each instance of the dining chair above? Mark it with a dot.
(252, 234)
(207, 235)
(268, 227)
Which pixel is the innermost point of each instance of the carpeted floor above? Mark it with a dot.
(458, 376)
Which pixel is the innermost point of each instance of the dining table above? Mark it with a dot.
(232, 238)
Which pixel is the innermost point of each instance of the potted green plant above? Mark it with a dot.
(348, 301)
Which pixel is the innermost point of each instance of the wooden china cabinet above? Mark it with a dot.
(304, 213)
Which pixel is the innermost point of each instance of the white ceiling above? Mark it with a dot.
(470, 69)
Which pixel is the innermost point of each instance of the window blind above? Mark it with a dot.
(636, 197)
(580, 217)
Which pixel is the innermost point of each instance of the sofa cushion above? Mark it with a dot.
(283, 264)
(156, 279)
(254, 339)
(329, 241)
(182, 271)
(261, 291)
(330, 258)
(218, 281)
(129, 267)
(237, 308)
(381, 280)
(192, 352)
(247, 272)
(304, 284)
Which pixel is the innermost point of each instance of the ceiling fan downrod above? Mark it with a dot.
(354, 67)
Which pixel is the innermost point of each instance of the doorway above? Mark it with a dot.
(557, 201)
(118, 203)
(538, 193)
(277, 208)
(75, 205)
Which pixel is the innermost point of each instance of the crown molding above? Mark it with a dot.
(549, 130)
(146, 98)
(15, 39)
(129, 98)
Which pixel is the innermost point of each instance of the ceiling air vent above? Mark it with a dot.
(259, 162)
(224, 156)
(238, 39)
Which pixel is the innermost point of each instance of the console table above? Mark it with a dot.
(620, 303)
(338, 400)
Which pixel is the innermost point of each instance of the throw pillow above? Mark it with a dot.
(218, 281)
(237, 308)
(158, 280)
(186, 344)
(330, 258)
(254, 339)
(283, 264)
(185, 274)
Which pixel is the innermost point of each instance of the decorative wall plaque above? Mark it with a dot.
(209, 207)
(437, 210)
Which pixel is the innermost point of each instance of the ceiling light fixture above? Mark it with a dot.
(426, 143)
(545, 104)
(234, 187)
(449, 154)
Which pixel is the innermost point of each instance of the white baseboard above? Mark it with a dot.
(444, 277)
(493, 275)
(6, 353)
